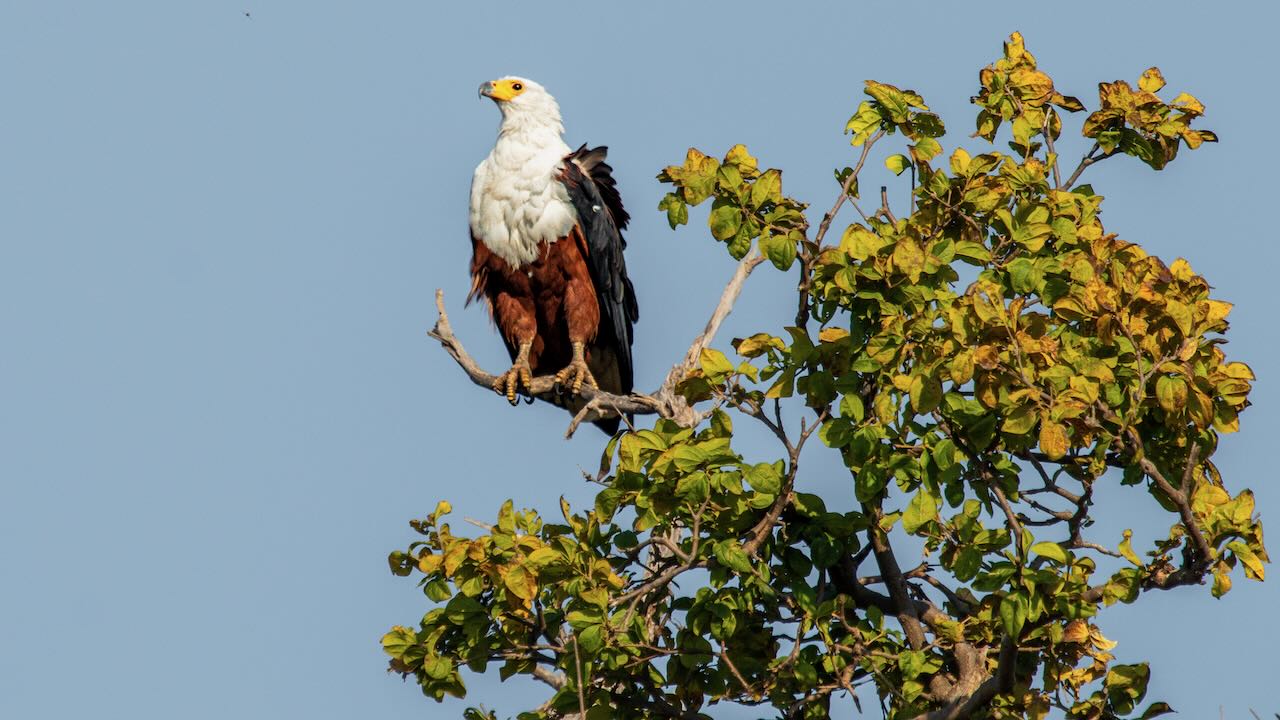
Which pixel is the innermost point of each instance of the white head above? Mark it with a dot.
(525, 105)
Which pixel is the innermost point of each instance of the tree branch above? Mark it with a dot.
(602, 405)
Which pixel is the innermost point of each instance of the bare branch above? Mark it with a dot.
(723, 308)
(577, 663)
(554, 679)
(845, 189)
(1089, 159)
(884, 205)
(599, 404)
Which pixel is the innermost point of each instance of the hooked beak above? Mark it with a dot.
(486, 89)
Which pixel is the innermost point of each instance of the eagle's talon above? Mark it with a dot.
(577, 371)
(508, 383)
(579, 374)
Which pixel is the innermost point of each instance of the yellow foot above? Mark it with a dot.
(574, 375)
(508, 383)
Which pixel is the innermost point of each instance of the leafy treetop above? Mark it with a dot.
(987, 366)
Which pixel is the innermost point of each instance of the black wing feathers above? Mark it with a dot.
(595, 196)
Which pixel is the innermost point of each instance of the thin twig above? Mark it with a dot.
(844, 191)
(577, 661)
(1089, 159)
(884, 205)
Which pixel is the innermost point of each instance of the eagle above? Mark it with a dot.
(547, 253)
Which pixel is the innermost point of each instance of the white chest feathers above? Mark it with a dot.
(518, 202)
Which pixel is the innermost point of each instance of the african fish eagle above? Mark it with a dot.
(546, 237)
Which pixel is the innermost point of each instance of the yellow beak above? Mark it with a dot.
(499, 92)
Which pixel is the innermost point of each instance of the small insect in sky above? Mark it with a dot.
(246, 14)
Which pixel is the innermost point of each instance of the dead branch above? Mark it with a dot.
(599, 404)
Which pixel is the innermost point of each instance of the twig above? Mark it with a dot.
(577, 661)
(746, 687)
(1014, 526)
(1048, 142)
(555, 680)
(1089, 159)
(884, 205)
(844, 191)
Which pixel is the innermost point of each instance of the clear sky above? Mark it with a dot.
(219, 240)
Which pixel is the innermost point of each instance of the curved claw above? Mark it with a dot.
(578, 372)
(508, 383)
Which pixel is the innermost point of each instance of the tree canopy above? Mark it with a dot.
(984, 361)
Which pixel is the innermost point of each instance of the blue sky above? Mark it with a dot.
(219, 240)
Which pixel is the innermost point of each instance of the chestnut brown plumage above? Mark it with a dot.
(548, 253)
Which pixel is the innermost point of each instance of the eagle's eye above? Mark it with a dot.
(517, 87)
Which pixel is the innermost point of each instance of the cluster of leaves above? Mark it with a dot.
(978, 415)
(747, 206)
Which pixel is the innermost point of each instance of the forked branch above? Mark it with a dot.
(601, 405)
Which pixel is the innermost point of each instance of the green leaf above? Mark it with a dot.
(764, 477)
(731, 555)
(1021, 420)
(725, 220)
(398, 641)
(767, 188)
(852, 408)
(897, 163)
(926, 393)
(520, 582)
(863, 124)
(1013, 613)
(1171, 392)
(922, 509)
(677, 210)
(925, 150)
(714, 363)
(780, 249)
(1051, 550)
(1253, 568)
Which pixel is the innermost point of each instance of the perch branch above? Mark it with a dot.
(599, 404)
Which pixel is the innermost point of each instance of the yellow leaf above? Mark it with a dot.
(909, 257)
(1253, 568)
(739, 156)
(520, 582)
(758, 344)
(860, 243)
(1188, 102)
(1031, 84)
(429, 563)
(960, 161)
(1053, 439)
(1171, 392)
(1126, 549)
(833, 334)
(713, 362)
(987, 356)
(1151, 80)
(1181, 269)
(1215, 311)
(897, 163)
(1238, 370)
(1076, 631)
(453, 557)
(961, 367)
